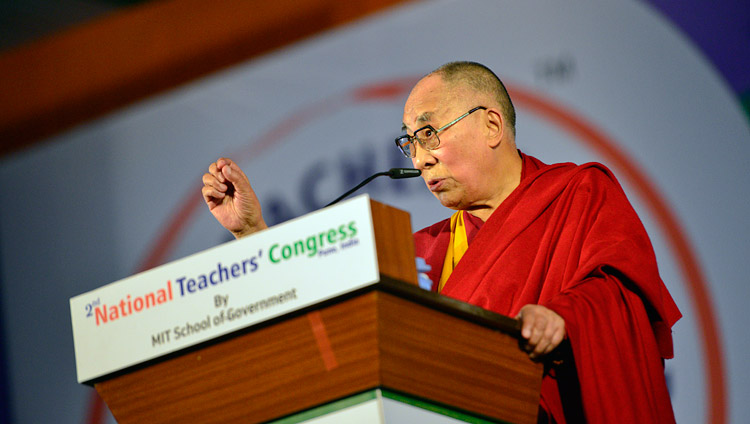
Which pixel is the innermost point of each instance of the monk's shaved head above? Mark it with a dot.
(482, 80)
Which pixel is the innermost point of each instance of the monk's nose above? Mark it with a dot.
(422, 157)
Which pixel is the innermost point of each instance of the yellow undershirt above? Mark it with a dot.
(456, 247)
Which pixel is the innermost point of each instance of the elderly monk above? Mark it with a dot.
(557, 246)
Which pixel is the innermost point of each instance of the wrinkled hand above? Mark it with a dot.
(231, 199)
(542, 328)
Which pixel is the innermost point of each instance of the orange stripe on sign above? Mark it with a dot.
(321, 338)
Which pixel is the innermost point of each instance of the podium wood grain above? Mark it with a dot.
(378, 340)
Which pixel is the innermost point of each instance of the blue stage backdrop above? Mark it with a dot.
(652, 89)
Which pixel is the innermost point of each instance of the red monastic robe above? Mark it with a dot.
(568, 239)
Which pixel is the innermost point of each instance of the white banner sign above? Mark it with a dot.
(235, 285)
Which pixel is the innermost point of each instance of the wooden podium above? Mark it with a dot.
(391, 335)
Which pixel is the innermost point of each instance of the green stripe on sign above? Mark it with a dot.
(327, 408)
(438, 409)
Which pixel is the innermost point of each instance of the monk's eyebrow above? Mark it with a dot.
(421, 119)
(425, 117)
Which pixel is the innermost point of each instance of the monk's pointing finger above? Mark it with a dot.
(215, 170)
(234, 174)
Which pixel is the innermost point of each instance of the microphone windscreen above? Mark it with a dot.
(397, 173)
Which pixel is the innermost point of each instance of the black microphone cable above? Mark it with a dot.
(394, 173)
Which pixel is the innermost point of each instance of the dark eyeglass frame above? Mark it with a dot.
(407, 141)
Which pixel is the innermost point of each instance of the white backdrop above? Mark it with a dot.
(310, 121)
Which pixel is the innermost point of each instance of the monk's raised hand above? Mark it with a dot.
(231, 199)
(542, 329)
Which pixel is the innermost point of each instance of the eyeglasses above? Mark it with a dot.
(427, 136)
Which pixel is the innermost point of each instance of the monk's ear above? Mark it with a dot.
(495, 125)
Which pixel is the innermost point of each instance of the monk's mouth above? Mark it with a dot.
(435, 184)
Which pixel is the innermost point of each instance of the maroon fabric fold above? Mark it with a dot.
(567, 238)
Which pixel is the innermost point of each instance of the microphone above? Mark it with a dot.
(394, 173)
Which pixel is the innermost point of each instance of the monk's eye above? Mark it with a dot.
(426, 134)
